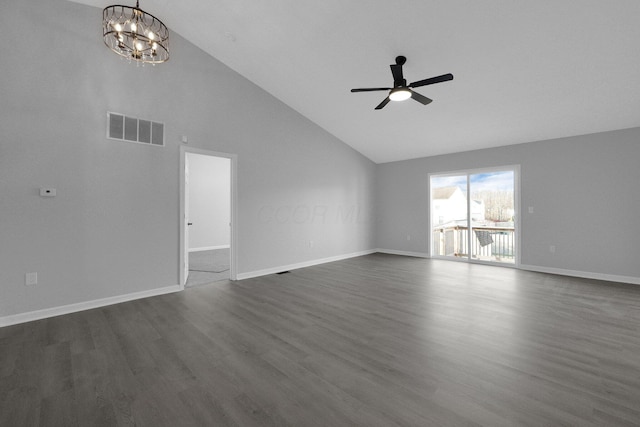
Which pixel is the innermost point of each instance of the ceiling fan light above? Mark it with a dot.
(399, 94)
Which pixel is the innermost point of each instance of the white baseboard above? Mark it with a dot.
(550, 270)
(81, 306)
(403, 253)
(273, 270)
(209, 248)
(87, 305)
(582, 274)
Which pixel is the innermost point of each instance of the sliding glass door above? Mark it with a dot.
(473, 215)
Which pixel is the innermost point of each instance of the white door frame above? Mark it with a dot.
(186, 217)
(233, 253)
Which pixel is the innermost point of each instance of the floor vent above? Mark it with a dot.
(283, 272)
(133, 129)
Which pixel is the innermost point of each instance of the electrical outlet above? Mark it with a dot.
(552, 249)
(31, 279)
(408, 237)
(310, 243)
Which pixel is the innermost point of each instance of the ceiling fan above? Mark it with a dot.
(400, 90)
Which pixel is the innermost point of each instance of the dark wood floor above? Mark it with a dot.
(379, 340)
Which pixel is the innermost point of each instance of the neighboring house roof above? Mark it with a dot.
(443, 192)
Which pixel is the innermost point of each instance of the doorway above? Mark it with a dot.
(207, 216)
(474, 215)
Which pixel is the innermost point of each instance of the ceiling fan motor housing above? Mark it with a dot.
(400, 90)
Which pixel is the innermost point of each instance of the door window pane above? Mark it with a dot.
(492, 216)
(449, 215)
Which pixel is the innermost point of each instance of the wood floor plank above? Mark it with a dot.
(59, 410)
(206, 409)
(91, 387)
(379, 340)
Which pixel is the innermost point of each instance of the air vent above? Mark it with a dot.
(132, 129)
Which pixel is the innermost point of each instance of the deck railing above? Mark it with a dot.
(487, 243)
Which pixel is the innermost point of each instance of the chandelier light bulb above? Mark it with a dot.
(133, 27)
(117, 27)
(151, 35)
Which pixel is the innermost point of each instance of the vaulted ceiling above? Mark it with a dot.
(524, 71)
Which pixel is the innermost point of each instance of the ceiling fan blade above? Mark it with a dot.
(421, 98)
(398, 78)
(370, 89)
(383, 103)
(432, 80)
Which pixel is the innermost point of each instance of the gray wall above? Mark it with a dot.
(584, 191)
(113, 228)
(209, 201)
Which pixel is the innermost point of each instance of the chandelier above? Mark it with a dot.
(135, 34)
